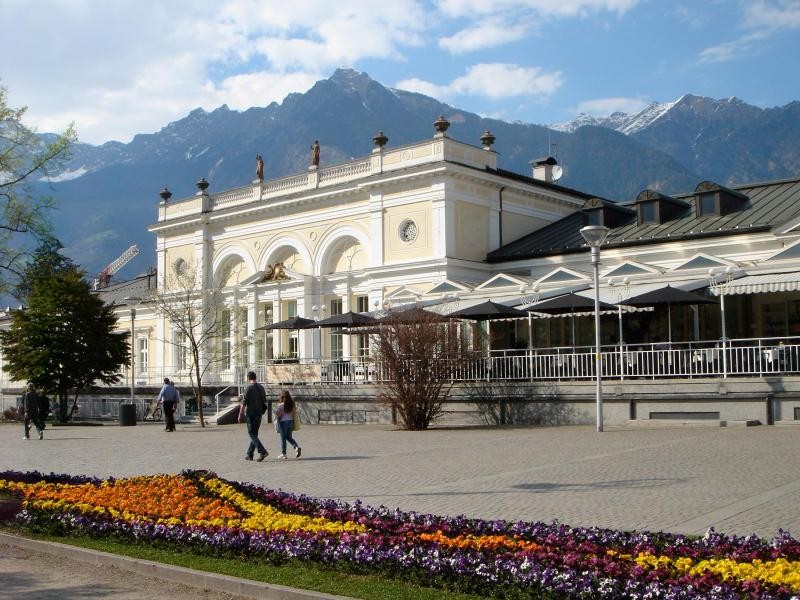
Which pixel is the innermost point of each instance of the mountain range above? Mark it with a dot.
(108, 194)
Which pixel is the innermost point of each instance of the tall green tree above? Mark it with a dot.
(25, 157)
(66, 340)
(45, 262)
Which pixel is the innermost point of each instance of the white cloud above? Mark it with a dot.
(240, 92)
(772, 14)
(602, 107)
(731, 50)
(491, 80)
(128, 66)
(485, 35)
(423, 87)
(761, 18)
(540, 8)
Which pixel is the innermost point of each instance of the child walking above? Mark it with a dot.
(284, 423)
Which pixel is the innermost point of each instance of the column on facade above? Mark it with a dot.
(494, 222)
(310, 347)
(204, 270)
(441, 214)
(275, 306)
(252, 323)
(163, 356)
(376, 237)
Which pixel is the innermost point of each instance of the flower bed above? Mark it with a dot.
(206, 513)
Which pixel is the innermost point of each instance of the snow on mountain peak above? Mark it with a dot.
(652, 112)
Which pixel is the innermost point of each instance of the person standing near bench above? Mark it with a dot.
(169, 396)
(254, 405)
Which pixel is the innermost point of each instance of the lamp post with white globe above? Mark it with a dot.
(595, 235)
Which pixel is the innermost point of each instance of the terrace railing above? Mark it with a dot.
(745, 357)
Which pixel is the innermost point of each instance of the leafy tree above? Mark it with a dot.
(415, 353)
(24, 157)
(45, 262)
(65, 340)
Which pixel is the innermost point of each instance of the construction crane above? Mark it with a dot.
(104, 278)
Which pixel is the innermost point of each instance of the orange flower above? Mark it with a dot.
(492, 543)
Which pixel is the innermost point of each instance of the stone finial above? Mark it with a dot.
(441, 125)
(487, 139)
(379, 139)
(202, 185)
(165, 195)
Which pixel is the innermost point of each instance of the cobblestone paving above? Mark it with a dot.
(678, 479)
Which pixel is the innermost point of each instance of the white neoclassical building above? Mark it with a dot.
(402, 225)
(439, 224)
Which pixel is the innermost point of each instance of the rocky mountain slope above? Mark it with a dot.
(108, 194)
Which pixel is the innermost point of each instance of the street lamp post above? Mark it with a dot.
(133, 302)
(595, 235)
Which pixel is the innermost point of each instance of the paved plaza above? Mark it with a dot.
(680, 479)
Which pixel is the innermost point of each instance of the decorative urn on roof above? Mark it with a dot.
(202, 185)
(379, 139)
(165, 195)
(487, 139)
(441, 125)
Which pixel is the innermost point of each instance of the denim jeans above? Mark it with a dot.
(253, 424)
(286, 428)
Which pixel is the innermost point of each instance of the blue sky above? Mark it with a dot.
(132, 66)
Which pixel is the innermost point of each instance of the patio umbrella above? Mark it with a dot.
(411, 316)
(667, 295)
(348, 319)
(292, 323)
(488, 311)
(567, 304)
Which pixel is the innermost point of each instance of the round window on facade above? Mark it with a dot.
(180, 267)
(408, 231)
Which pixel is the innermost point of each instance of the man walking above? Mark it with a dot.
(30, 404)
(254, 404)
(169, 396)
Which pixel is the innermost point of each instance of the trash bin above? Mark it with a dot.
(127, 415)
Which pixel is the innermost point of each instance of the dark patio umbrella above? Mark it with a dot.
(667, 295)
(412, 315)
(567, 304)
(487, 311)
(292, 323)
(348, 319)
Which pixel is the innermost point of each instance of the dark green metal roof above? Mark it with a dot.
(771, 204)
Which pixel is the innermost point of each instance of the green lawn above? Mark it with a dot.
(294, 573)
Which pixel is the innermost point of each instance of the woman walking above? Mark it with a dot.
(284, 423)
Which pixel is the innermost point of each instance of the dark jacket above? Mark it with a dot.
(255, 399)
(30, 402)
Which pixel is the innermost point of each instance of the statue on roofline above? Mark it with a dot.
(259, 167)
(315, 154)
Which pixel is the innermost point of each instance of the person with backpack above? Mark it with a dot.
(169, 396)
(254, 405)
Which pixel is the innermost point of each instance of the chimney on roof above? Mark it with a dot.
(546, 169)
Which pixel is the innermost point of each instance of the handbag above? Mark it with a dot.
(296, 420)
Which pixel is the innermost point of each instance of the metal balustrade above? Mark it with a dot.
(756, 357)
